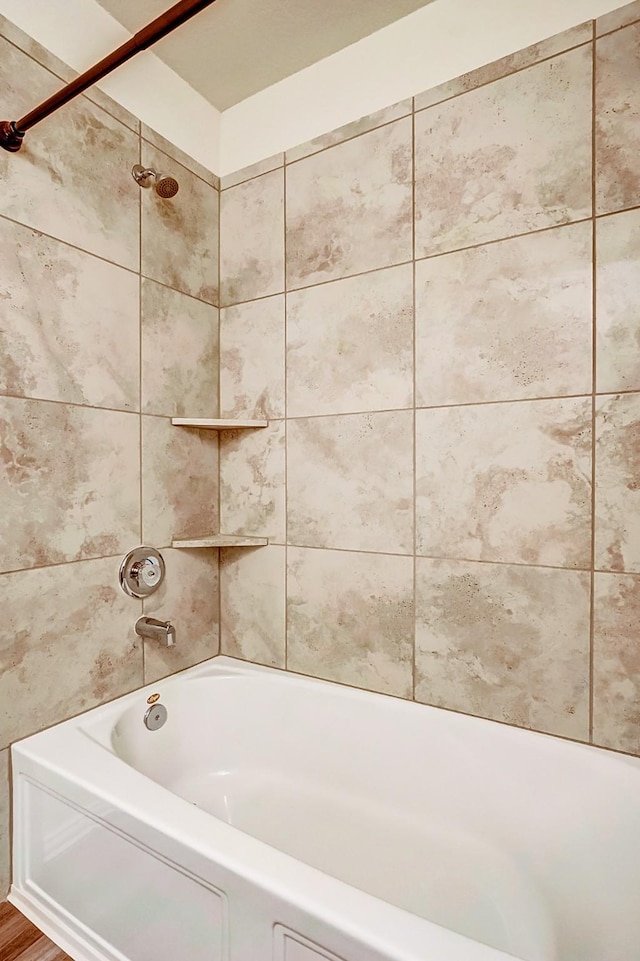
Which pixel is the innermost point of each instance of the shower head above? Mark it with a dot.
(166, 187)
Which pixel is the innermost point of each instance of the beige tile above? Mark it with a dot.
(506, 321)
(72, 178)
(68, 644)
(179, 482)
(69, 489)
(252, 231)
(616, 662)
(252, 479)
(70, 323)
(618, 120)
(350, 130)
(252, 359)
(157, 140)
(621, 17)
(253, 170)
(350, 618)
(252, 600)
(502, 68)
(5, 827)
(618, 303)
(618, 483)
(504, 642)
(506, 482)
(189, 599)
(180, 235)
(349, 208)
(350, 344)
(179, 353)
(525, 166)
(349, 482)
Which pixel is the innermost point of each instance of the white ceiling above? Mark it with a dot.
(236, 48)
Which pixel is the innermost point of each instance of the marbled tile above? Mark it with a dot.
(179, 482)
(5, 827)
(550, 47)
(511, 157)
(253, 170)
(618, 302)
(252, 482)
(618, 483)
(350, 344)
(350, 482)
(350, 130)
(179, 353)
(506, 482)
(505, 642)
(252, 602)
(506, 321)
(349, 208)
(180, 235)
(252, 359)
(350, 618)
(621, 17)
(70, 323)
(157, 140)
(618, 120)
(72, 178)
(69, 485)
(68, 644)
(616, 662)
(252, 231)
(189, 599)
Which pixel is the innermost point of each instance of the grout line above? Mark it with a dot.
(253, 176)
(142, 642)
(219, 388)
(355, 136)
(414, 387)
(286, 416)
(607, 33)
(593, 386)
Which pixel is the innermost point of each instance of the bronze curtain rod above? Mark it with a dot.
(12, 131)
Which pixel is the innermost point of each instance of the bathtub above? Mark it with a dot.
(280, 818)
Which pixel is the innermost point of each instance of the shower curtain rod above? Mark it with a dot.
(12, 131)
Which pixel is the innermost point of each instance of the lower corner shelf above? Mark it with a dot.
(221, 540)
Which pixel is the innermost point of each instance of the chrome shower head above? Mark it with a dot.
(166, 187)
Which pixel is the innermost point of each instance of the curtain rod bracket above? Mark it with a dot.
(10, 137)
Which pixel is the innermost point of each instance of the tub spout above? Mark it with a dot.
(162, 631)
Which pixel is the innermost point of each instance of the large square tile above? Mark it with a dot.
(350, 345)
(68, 644)
(618, 483)
(350, 618)
(70, 323)
(180, 235)
(506, 482)
(188, 598)
(505, 642)
(252, 600)
(179, 353)
(252, 229)
(616, 662)
(70, 484)
(252, 359)
(252, 478)
(618, 120)
(350, 482)
(505, 159)
(618, 302)
(349, 208)
(506, 321)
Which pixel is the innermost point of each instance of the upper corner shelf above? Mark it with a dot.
(212, 423)
(221, 540)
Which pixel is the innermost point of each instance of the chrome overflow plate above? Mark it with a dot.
(141, 572)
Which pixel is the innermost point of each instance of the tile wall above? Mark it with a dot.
(108, 327)
(437, 308)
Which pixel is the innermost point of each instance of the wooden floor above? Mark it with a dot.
(21, 941)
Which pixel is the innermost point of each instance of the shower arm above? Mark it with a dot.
(12, 131)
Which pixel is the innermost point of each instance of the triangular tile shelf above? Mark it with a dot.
(212, 423)
(221, 540)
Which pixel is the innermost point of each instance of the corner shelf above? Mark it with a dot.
(221, 540)
(213, 423)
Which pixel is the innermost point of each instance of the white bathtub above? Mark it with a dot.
(278, 818)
